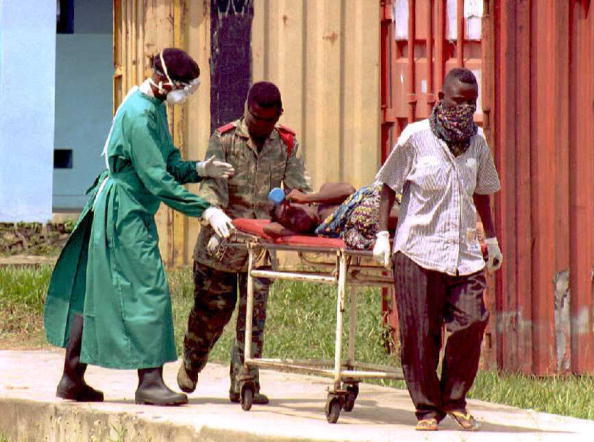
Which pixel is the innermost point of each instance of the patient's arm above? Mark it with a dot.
(393, 217)
(329, 193)
(275, 230)
(386, 203)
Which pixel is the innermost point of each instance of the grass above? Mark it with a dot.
(22, 290)
(566, 395)
(302, 317)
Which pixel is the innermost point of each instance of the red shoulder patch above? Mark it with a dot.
(285, 129)
(288, 137)
(226, 128)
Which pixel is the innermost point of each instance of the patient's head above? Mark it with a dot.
(300, 218)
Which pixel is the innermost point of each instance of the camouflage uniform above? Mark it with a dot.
(245, 195)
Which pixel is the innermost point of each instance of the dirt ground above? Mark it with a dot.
(25, 342)
(33, 238)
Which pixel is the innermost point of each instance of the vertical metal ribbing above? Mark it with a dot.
(460, 33)
(439, 43)
(429, 48)
(117, 54)
(140, 55)
(412, 96)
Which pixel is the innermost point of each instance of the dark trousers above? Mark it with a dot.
(215, 296)
(426, 300)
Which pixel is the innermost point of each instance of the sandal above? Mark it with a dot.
(429, 424)
(465, 420)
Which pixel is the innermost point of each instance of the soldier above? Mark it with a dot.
(264, 156)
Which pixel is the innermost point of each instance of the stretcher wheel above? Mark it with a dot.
(246, 397)
(351, 396)
(333, 407)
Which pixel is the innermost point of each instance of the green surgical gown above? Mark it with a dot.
(111, 270)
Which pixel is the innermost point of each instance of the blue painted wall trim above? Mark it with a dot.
(27, 72)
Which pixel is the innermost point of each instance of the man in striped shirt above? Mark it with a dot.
(445, 171)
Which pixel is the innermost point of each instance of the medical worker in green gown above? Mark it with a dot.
(110, 275)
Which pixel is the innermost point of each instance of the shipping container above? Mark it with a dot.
(353, 73)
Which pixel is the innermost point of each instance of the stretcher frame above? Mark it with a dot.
(346, 270)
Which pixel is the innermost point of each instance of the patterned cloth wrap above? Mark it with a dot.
(356, 219)
(454, 125)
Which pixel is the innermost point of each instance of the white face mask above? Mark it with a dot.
(176, 96)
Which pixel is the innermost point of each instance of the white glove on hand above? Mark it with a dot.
(382, 249)
(494, 256)
(220, 222)
(214, 168)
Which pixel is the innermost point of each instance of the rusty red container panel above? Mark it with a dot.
(544, 147)
(535, 63)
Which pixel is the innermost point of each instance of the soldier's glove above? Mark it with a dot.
(494, 256)
(220, 222)
(381, 249)
(214, 168)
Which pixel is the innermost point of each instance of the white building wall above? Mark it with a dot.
(27, 89)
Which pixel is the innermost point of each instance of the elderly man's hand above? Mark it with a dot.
(494, 256)
(382, 249)
(297, 196)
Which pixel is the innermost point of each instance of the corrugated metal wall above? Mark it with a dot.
(537, 65)
(324, 56)
(422, 40)
(543, 71)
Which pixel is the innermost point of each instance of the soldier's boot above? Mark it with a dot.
(153, 391)
(186, 379)
(72, 385)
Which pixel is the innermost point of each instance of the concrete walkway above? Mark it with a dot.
(29, 411)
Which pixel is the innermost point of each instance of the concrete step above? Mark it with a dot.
(29, 411)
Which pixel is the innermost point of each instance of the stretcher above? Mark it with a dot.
(327, 261)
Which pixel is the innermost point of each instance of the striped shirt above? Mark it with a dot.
(437, 220)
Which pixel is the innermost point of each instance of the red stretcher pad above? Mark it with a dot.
(256, 227)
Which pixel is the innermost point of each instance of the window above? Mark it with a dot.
(62, 158)
(65, 16)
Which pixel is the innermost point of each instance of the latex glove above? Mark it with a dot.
(494, 256)
(382, 249)
(220, 222)
(214, 168)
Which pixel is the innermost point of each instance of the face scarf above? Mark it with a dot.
(454, 125)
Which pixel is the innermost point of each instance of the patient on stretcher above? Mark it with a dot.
(338, 210)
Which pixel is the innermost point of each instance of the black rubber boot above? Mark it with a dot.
(72, 385)
(153, 391)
